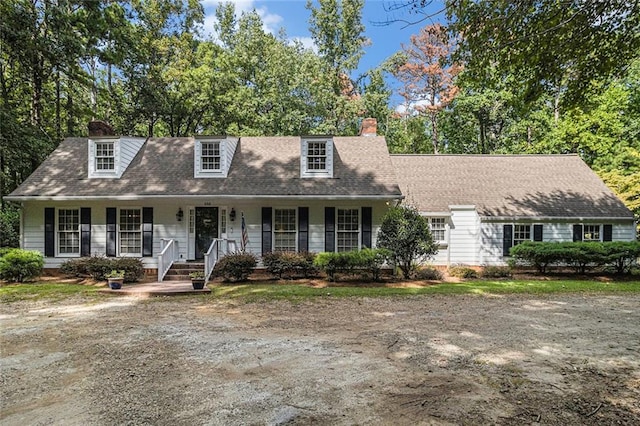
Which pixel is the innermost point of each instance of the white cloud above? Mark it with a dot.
(307, 43)
(271, 22)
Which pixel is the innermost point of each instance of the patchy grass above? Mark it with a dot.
(301, 290)
(44, 290)
(267, 291)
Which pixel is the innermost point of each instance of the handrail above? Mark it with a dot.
(210, 259)
(216, 250)
(167, 256)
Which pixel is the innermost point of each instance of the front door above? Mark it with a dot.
(206, 229)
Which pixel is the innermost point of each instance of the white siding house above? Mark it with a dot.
(493, 202)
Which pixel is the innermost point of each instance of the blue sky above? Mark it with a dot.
(293, 16)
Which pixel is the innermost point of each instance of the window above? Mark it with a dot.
(68, 231)
(438, 228)
(591, 233)
(284, 230)
(348, 230)
(105, 158)
(130, 231)
(210, 155)
(521, 233)
(317, 156)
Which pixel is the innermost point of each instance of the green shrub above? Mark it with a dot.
(429, 274)
(367, 262)
(406, 234)
(331, 263)
(290, 264)
(235, 266)
(461, 271)
(9, 227)
(5, 250)
(20, 265)
(582, 256)
(97, 267)
(491, 271)
(370, 261)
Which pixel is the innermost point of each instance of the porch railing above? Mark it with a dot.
(218, 248)
(167, 256)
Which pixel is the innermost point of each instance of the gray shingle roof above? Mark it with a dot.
(507, 185)
(262, 166)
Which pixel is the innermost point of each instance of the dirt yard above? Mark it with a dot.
(506, 360)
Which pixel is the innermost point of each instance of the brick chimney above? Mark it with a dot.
(369, 127)
(100, 128)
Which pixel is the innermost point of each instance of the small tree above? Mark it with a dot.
(407, 236)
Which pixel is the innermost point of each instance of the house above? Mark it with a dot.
(169, 200)
(480, 206)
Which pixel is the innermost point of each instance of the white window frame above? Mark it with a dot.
(594, 225)
(275, 232)
(515, 241)
(94, 172)
(199, 171)
(305, 170)
(77, 231)
(445, 228)
(358, 232)
(120, 231)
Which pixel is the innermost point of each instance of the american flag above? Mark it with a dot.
(245, 235)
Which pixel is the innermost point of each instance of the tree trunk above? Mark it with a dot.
(434, 130)
(58, 118)
(69, 108)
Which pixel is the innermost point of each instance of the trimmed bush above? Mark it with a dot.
(97, 267)
(461, 271)
(429, 274)
(367, 262)
(235, 266)
(289, 264)
(495, 272)
(19, 265)
(581, 256)
(9, 227)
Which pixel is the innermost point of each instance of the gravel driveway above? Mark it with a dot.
(568, 359)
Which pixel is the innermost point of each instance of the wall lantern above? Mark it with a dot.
(232, 214)
(180, 214)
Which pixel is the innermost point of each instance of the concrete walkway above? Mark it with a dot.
(166, 288)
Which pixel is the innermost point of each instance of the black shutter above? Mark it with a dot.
(537, 232)
(49, 232)
(366, 227)
(85, 231)
(147, 231)
(303, 228)
(507, 239)
(329, 229)
(112, 220)
(577, 232)
(607, 232)
(266, 230)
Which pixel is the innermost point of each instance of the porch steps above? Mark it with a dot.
(181, 271)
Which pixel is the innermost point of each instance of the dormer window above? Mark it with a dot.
(105, 158)
(210, 156)
(109, 156)
(317, 155)
(213, 156)
(316, 159)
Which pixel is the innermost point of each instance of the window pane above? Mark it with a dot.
(348, 227)
(284, 230)
(130, 231)
(210, 155)
(591, 233)
(105, 156)
(316, 155)
(437, 225)
(69, 231)
(521, 233)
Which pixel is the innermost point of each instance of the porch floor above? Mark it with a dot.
(166, 288)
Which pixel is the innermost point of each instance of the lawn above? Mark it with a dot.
(265, 290)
